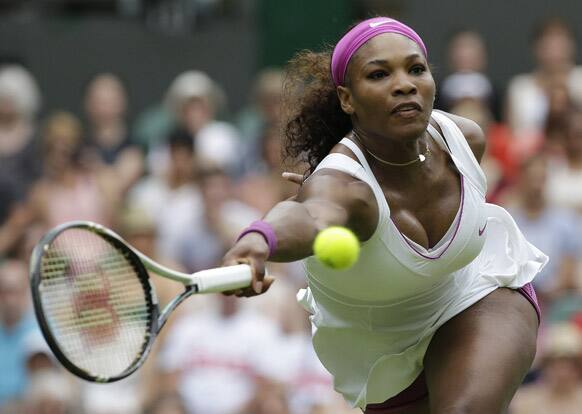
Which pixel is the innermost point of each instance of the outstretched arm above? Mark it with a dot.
(327, 198)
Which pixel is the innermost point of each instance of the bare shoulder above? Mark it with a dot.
(472, 132)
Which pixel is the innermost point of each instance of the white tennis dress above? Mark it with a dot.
(373, 322)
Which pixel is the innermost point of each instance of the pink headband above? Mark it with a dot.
(360, 34)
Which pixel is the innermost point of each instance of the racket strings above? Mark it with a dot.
(95, 303)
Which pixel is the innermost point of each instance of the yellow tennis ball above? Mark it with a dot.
(337, 247)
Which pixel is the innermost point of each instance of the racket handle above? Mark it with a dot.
(223, 278)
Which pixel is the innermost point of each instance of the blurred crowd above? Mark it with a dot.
(186, 176)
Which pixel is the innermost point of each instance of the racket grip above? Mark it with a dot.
(223, 278)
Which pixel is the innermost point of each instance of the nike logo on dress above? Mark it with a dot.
(483, 229)
(376, 24)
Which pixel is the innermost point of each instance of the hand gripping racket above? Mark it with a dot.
(94, 301)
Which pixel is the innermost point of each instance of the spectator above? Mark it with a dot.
(69, 189)
(270, 398)
(560, 108)
(139, 229)
(549, 228)
(263, 113)
(14, 217)
(554, 49)
(560, 387)
(213, 358)
(19, 105)
(497, 163)
(263, 186)
(108, 132)
(172, 199)
(467, 78)
(153, 125)
(50, 390)
(196, 100)
(564, 189)
(293, 362)
(121, 397)
(16, 322)
(166, 404)
(223, 218)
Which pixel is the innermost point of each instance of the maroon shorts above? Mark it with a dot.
(418, 390)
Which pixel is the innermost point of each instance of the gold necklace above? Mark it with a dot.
(420, 157)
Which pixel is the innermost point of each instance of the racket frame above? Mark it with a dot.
(193, 283)
(141, 272)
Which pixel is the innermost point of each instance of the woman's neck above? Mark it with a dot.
(390, 152)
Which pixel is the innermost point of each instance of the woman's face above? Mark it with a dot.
(389, 88)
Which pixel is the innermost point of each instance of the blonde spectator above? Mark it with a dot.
(560, 387)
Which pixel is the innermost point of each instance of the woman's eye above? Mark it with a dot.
(378, 74)
(418, 69)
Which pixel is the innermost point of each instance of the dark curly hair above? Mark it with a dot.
(313, 119)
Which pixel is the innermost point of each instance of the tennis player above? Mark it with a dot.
(438, 315)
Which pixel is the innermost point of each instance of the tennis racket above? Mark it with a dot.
(94, 301)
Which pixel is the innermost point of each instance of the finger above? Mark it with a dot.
(258, 267)
(256, 273)
(293, 177)
(267, 282)
(245, 293)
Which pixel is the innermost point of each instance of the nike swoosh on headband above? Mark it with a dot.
(481, 231)
(376, 24)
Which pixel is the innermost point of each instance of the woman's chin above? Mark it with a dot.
(410, 130)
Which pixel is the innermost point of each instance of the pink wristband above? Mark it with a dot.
(265, 229)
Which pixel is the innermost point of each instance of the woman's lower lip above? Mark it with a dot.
(407, 113)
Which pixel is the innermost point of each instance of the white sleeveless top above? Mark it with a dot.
(373, 322)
